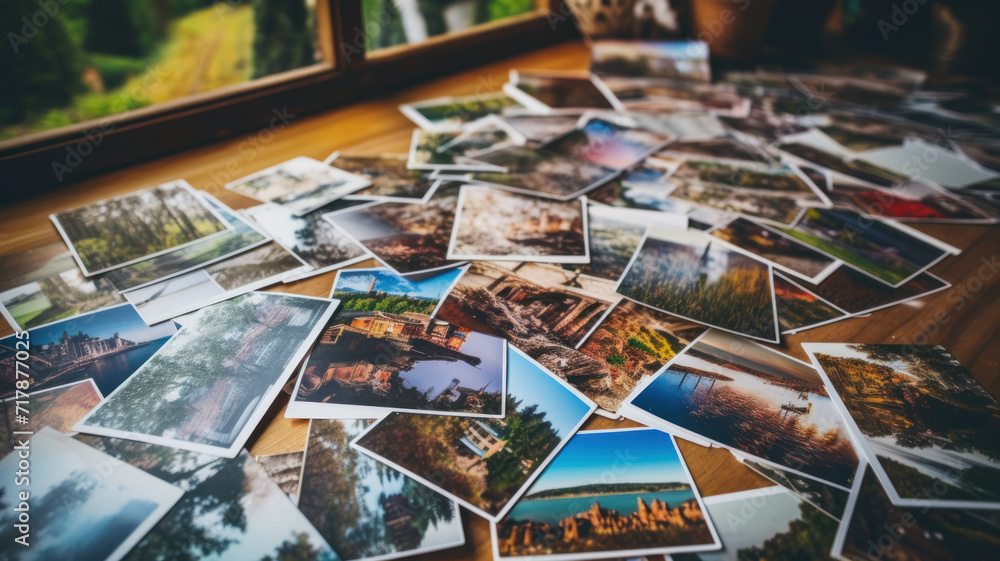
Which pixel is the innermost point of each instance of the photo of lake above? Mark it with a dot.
(747, 397)
(551, 511)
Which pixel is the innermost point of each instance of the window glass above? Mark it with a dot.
(397, 22)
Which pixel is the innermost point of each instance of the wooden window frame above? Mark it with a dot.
(50, 159)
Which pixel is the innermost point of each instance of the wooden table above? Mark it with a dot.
(965, 318)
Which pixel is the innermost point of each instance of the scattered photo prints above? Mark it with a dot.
(484, 464)
(207, 388)
(494, 224)
(933, 164)
(767, 523)
(830, 499)
(632, 341)
(925, 423)
(107, 346)
(285, 470)
(114, 232)
(545, 91)
(406, 237)
(231, 510)
(445, 150)
(783, 253)
(301, 185)
(314, 240)
(683, 273)
(44, 285)
(455, 113)
(243, 236)
(686, 60)
(77, 510)
(251, 270)
(742, 395)
(383, 351)
(391, 180)
(58, 408)
(859, 294)
(369, 510)
(799, 309)
(881, 249)
(875, 528)
(911, 202)
(575, 511)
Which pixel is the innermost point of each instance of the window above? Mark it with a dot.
(97, 84)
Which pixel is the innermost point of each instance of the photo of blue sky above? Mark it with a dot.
(528, 382)
(121, 319)
(434, 287)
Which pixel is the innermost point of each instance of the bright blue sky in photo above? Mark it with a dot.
(121, 319)
(434, 287)
(633, 456)
(529, 383)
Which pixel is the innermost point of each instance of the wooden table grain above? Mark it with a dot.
(964, 318)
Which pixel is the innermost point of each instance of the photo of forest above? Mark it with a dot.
(363, 506)
(800, 309)
(113, 232)
(775, 248)
(925, 418)
(407, 237)
(494, 223)
(239, 238)
(873, 247)
(745, 396)
(314, 240)
(453, 112)
(242, 349)
(58, 408)
(683, 273)
(782, 527)
(72, 69)
(484, 463)
(44, 284)
(932, 534)
(634, 341)
(231, 510)
(84, 513)
(649, 506)
(430, 150)
(391, 179)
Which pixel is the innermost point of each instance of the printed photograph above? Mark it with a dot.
(543, 309)
(575, 511)
(494, 224)
(454, 113)
(115, 232)
(870, 246)
(685, 274)
(769, 523)
(929, 534)
(390, 179)
(241, 237)
(456, 150)
(58, 408)
(633, 341)
(766, 404)
(857, 169)
(231, 510)
(799, 309)
(44, 285)
(684, 60)
(606, 143)
(257, 268)
(780, 251)
(209, 385)
(285, 470)
(541, 90)
(774, 208)
(314, 240)
(859, 294)
(663, 95)
(543, 172)
(83, 513)
(368, 509)
(106, 346)
(949, 170)
(614, 235)
(721, 149)
(484, 464)
(301, 185)
(406, 237)
(641, 188)
(382, 349)
(828, 498)
(539, 128)
(923, 419)
(911, 202)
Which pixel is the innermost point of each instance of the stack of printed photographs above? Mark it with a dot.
(630, 241)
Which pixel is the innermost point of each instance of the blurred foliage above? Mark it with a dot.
(282, 40)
